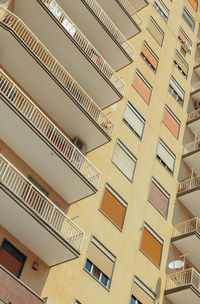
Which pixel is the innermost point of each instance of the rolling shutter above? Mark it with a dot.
(159, 198)
(181, 63)
(141, 295)
(134, 120)
(162, 7)
(171, 122)
(149, 56)
(166, 155)
(177, 88)
(142, 87)
(155, 31)
(194, 4)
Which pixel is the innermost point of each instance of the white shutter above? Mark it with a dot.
(55, 10)
(133, 120)
(166, 156)
(123, 161)
(176, 88)
(163, 8)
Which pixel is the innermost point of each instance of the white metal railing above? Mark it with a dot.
(191, 147)
(56, 69)
(45, 209)
(111, 27)
(192, 225)
(188, 184)
(131, 11)
(182, 278)
(85, 45)
(194, 114)
(40, 121)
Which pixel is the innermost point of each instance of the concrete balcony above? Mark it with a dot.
(186, 237)
(193, 121)
(15, 291)
(35, 220)
(73, 49)
(192, 156)
(124, 14)
(36, 139)
(183, 287)
(189, 195)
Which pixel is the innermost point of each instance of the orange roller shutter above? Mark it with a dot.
(171, 123)
(142, 88)
(8, 261)
(159, 199)
(146, 52)
(151, 247)
(113, 208)
(182, 36)
(194, 4)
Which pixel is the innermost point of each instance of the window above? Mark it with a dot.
(188, 18)
(158, 197)
(100, 263)
(113, 206)
(149, 56)
(162, 9)
(11, 258)
(194, 4)
(186, 42)
(176, 91)
(77, 302)
(151, 245)
(171, 121)
(124, 160)
(181, 64)
(134, 120)
(141, 294)
(142, 86)
(166, 157)
(155, 31)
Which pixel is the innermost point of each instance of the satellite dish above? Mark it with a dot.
(176, 264)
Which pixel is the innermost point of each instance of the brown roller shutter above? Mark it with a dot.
(113, 208)
(155, 31)
(171, 123)
(159, 199)
(150, 57)
(8, 261)
(141, 295)
(99, 259)
(142, 88)
(151, 247)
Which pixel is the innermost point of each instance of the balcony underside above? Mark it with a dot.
(40, 155)
(191, 200)
(194, 124)
(189, 244)
(192, 160)
(183, 294)
(65, 50)
(65, 110)
(36, 235)
(139, 4)
(120, 17)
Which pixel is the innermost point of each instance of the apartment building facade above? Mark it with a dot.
(99, 150)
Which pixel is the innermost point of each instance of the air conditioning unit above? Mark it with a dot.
(187, 46)
(80, 145)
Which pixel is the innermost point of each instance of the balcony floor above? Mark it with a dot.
(65, 110)
(40, 155)
(36, 235)
(62, 46)
(183, 294)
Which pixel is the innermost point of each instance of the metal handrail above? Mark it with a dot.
(183, 278)
(192, 225)
(85, 44)
(47, 128)
(34, 199)
(55, 68)
(189, 184)
(193, 146)
(194, 114)
(111, 27)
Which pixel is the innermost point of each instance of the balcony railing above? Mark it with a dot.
(48, 130)
(191, 147)
(183, 278)
(194, 114)
(131, 11)
(84, 44)
(56, 69)
(189, 184)
(192, 225)
(111, 27)
(45, 209)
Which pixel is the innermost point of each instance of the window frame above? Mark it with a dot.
(184, 62)
(140, 117)
(145, 82)
(171, 90)
(174, 117)
(152, 53)
(170, 152)
(159, 9)
(185, 10)
(144, 287)
(130, 154)
(158, 28)
(186, 36)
